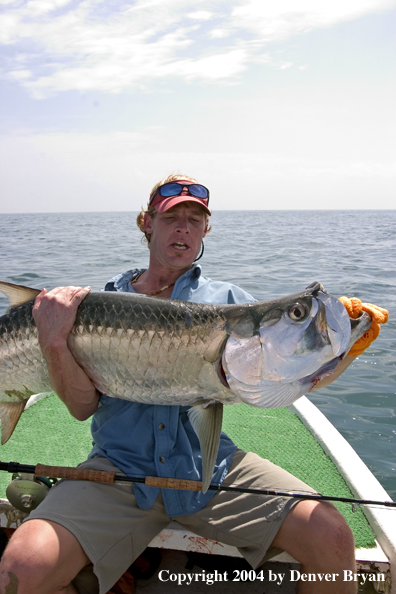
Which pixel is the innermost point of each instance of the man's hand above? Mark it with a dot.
(55, 312)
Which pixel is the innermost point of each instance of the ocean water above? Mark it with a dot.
(269, 254)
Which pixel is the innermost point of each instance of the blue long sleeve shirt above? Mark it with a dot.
(154, 440)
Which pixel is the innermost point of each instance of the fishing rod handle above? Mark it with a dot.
(76, 474)
(172, 483)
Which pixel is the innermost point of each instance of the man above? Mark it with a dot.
(80, 523)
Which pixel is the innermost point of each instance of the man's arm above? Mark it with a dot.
(54, 313)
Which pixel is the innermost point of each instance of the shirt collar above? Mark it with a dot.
(186, 279)
(122, 282)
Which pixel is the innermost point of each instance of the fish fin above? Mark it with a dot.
(206, 420)
(36, 398)
(10, 413)
(18, 294)
(270, 394)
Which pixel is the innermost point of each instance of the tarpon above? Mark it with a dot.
(162, 351)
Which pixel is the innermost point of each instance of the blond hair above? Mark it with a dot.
(174, 177)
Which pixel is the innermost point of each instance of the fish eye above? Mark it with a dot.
(297, 312)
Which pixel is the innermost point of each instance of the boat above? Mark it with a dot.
(306, 444)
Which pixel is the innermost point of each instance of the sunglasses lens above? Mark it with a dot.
(170, 190)
(198, 191)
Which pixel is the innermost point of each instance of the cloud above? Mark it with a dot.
(279, 20)
(219, 33)
(40, 7)
(113, 47)
(201, 15)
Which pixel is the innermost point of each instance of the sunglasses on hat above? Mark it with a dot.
(175, 189)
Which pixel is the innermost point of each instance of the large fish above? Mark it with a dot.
(158, 351)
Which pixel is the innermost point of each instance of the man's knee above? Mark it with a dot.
(318, 531)
(331, 533)
(40, 557)
(14, 568)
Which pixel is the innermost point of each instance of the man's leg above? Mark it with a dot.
(80, 510)
(42, 557)
(314, 533)
(317, 536)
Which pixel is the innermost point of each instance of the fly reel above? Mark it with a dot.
(27, 491)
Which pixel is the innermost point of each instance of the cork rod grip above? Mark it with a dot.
(76, 474)
(172, 483)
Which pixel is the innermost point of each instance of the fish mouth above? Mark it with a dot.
(327, 369)
(337, 322)
(359, 326)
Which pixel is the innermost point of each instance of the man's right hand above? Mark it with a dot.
(54, 313)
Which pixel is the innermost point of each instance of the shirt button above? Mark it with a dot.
(162, 459)
(161, 426)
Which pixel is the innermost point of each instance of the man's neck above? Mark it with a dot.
(158, 280)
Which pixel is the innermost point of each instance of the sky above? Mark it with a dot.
(286, 104)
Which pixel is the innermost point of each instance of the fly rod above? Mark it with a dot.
(103, 476)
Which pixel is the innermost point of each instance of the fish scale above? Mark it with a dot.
(154, 350)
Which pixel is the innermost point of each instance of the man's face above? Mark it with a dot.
(176, 235)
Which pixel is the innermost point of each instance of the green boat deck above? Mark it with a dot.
(47, 434)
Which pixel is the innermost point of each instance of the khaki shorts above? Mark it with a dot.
(113, 531)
